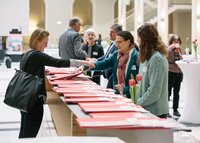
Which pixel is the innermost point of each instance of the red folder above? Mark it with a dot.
(126, 123)
(65, 76)
(92, 99)
(83, 86)
(70, 82)
(90, 104)
(70, 95)
(60, 70)
(117, 114)
(74, 90)
(115, 122)
(110, 107)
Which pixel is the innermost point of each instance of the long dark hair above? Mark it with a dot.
(150, 41)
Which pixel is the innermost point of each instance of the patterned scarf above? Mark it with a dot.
(122, 61)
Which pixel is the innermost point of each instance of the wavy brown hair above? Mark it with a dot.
(150, 41)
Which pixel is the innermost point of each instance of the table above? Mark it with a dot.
(191, 76)
(64, 116)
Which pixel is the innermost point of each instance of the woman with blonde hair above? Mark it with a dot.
(37, 60)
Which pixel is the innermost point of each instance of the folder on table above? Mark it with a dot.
(91, 99)
(70, 82)
(53, 70)
(110, 107)
(115, 122)
(90, 94)
(74, 90)
(117, 114)
(64, 76)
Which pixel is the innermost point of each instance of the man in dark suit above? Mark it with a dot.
(114, 29)
(70, 42)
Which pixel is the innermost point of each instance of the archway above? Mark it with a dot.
(78, 7)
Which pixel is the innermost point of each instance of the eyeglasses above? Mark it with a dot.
(119, 42)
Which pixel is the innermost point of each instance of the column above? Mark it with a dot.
(196, 22)
(57, 15)
(162, 22)
(122, 13)
(138, 15)
(102, 16)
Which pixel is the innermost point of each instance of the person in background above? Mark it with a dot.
(93, 50)
(98, 41)
(114, 29)
(153, 94)
(31, 121)
(175, 74)
(124, 63)
(70, 41)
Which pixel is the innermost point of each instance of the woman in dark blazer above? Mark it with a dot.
(31, 121)
(124, 63)
(93, 50)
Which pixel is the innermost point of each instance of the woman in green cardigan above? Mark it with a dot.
(124, 63)
(154, 70)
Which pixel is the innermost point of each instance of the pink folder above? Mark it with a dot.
(91, 99)
(70, 82)
(60, 70)
(110, 107)
(117, 114)
(64, 76)
(90, 94)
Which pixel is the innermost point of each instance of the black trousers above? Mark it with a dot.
(30, 122)
(174, 82)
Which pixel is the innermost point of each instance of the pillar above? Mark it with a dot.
(139, 15)
(196, 23)
(162, 23)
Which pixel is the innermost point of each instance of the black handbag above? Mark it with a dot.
(23, 89)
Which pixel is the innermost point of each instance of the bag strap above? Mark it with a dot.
(25, 59)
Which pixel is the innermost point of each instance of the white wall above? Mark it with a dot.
(103, 15)
(14, 14)
(57, 11)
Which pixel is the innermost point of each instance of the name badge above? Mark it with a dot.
(95, 53)
(133, 67)
(144, 69)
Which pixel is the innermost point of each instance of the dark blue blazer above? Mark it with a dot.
(108, 72)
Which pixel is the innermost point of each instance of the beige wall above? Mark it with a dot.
(83, 10)
(182, 25)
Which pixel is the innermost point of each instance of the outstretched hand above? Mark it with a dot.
(89, 64)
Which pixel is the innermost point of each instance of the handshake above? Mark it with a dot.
(88, 63)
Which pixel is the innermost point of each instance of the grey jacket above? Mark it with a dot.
(154, 85)
(70, 43)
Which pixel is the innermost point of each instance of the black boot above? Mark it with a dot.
(176, 113)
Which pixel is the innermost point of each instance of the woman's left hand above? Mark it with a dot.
(120, 87)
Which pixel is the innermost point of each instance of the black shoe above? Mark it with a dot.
(168, 115)
(176, 113)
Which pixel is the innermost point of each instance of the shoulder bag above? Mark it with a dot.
(23, 89)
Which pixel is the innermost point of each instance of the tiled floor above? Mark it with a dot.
(10, 118)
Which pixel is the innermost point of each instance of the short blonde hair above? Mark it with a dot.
(38, 35)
